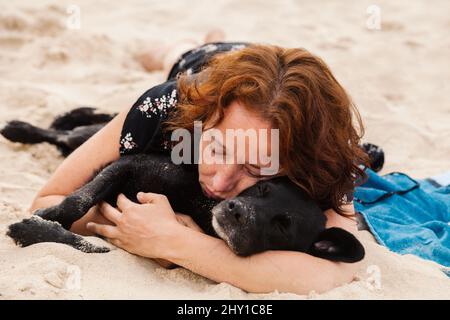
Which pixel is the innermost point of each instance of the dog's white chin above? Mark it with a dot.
(219, 230)
(221, 233)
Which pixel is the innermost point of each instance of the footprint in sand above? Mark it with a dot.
(393, 97)
(413, 44)
(50, 271)
(14, 21)
(19, 27)
(392, 26)
(13, 41)
(342, 43)
(68, 277)
(46, 21)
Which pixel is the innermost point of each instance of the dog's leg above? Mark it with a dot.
(65, 140)
(75, 205)
(36, 230)
(42, 228)
(82, 116)
(72, 139)
(19, 131)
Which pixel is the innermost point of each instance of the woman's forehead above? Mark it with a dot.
(238, 116)
(244, 129)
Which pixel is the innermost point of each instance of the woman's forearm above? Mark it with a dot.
(285, 271)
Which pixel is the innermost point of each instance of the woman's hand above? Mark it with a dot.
(144, 229)
(187, 221)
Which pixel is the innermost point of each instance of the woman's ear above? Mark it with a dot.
(336, 244)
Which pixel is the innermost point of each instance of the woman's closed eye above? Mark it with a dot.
(253, 171)
(218, 150)
(249, 170)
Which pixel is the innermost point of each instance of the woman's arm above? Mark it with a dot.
(285, 271)
(78, 167)
(150, 229)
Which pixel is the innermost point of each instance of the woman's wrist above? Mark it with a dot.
(172, 241)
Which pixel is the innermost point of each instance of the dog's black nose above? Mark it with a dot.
(233, 209)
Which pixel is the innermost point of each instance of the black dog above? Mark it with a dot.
(271, 215)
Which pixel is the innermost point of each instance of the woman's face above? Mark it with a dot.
(240, 171)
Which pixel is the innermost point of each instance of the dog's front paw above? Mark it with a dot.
(28, 231)
(36, 230)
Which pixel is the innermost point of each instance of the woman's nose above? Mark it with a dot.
(225, 178)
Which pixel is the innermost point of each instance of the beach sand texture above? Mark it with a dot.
(398, 77)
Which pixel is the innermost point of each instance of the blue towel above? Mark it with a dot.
(407, 216)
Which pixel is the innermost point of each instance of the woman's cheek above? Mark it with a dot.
(206, 170)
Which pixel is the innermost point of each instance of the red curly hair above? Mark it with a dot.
(319, 126)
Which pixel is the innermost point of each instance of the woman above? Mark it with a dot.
(229, 86)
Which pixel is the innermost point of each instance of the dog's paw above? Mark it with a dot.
(28, 231)
(36, 230)
(18, 131)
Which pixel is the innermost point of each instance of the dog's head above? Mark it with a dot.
(276, 214)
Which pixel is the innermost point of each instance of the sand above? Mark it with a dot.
(398, 76)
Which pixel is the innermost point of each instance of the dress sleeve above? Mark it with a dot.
(141, 131)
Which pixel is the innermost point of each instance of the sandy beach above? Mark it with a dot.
(397, 74)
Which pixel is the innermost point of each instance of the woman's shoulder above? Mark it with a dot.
(158, 100)
(141, 131)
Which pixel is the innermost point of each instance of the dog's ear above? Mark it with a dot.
(336, 244)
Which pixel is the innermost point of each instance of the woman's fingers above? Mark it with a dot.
(123, 202)
(110, 213)
(150, 197)
(116, 242)
(103, 230)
